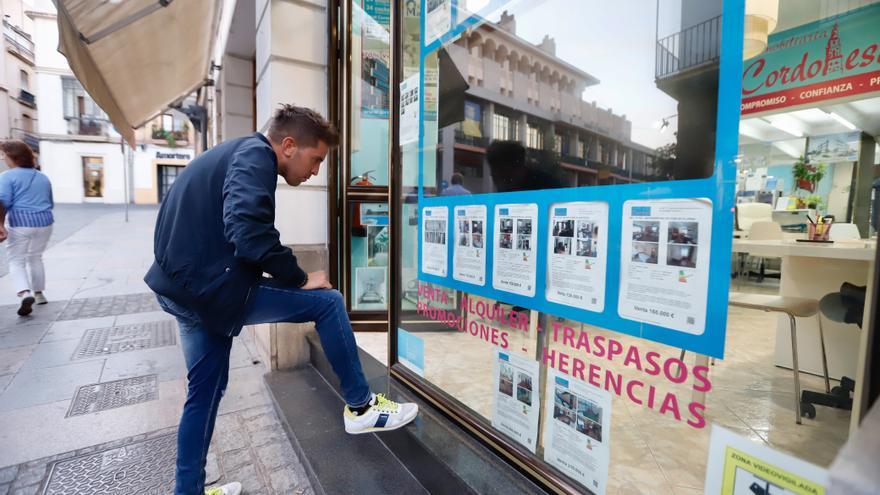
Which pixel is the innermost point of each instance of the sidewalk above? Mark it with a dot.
(92, 384)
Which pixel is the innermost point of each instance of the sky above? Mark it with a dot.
(613, 41)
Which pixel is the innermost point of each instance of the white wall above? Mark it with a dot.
(46, 40)
(61, 161)
(50, 106)
(237, 97)
(841, 186)
(290, 71)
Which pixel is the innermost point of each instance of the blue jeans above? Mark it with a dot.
(207, 363)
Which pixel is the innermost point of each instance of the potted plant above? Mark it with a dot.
(807, 176)
(814, 202)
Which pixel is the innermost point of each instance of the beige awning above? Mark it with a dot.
(135, 57)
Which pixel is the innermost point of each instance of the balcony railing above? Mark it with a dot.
(19, 42)
(87, 126)
(177, 136)
(695, 46)
(27, 98)
(27, 137)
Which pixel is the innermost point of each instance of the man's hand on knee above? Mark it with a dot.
(317, 280)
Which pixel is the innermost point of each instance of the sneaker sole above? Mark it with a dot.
(26, 306)
(373, 429)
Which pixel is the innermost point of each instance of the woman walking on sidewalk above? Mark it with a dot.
(26, 207)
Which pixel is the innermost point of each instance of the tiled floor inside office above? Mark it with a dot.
(651, 453)
(98, 373)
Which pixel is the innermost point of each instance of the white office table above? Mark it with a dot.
(814, 270)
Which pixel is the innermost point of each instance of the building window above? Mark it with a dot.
(501, 127)
(27, 123)
(25, 80)
(84, 116)
(534, 138)
(557, 143)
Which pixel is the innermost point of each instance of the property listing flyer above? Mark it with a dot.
(664, 269)
(514, 261)
(739, 466)
(434, 232)
(516, 400)
(577, 254)
(438, 19)
(577, 428)
(469, 253)
(409, 110)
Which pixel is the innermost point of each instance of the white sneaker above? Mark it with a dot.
(27, 302)
(383, 415)
(233, 488)
(40, 298)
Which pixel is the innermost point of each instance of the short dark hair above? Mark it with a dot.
(304, 125)
(20, 153)
(457, 178)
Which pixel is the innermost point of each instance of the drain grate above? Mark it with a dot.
(145, 467)
(110, 395)
(123, 338)
(96, 307)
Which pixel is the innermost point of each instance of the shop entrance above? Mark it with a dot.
(167, 175)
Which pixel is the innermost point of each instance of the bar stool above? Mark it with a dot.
(794, 307)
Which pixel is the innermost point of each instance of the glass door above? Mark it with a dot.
(363, 201)
(565, 235)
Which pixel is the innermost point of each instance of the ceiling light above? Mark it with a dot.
(761, 19)
(842, 121)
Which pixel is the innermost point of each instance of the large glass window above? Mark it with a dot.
(600, 301)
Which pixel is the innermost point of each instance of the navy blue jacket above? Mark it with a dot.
(215, 234)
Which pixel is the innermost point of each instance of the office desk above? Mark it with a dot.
(814, 270)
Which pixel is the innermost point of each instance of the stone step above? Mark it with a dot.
(430, 455)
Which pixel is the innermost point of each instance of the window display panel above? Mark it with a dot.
(580, 176)
(369, 256)
(370, 92)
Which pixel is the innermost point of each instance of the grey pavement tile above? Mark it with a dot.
(45, 314)
(275, 455)
(58, 353)
(45, 385)
(12, 358)
(246, 389)
(4, 382)
(240, 356)
(130, 319)
(22, 335)
(167, 362)
(117, 303)
(74, 329)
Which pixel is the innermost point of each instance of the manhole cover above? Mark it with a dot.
(145, 467)
(110, 395)
(96, 307)
(104, 341)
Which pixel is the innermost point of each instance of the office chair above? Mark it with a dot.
(846, 306)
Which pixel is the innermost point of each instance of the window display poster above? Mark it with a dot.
(411, 351)
(739, 466)
(434, 233)
(664, 269)
(469, 253)
(577, 254)
(369, 288)
(409, 110)
(514, 257)
(516, 397)
(577, 430)
(438, 19)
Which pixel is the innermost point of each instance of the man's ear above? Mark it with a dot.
(289, 143)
